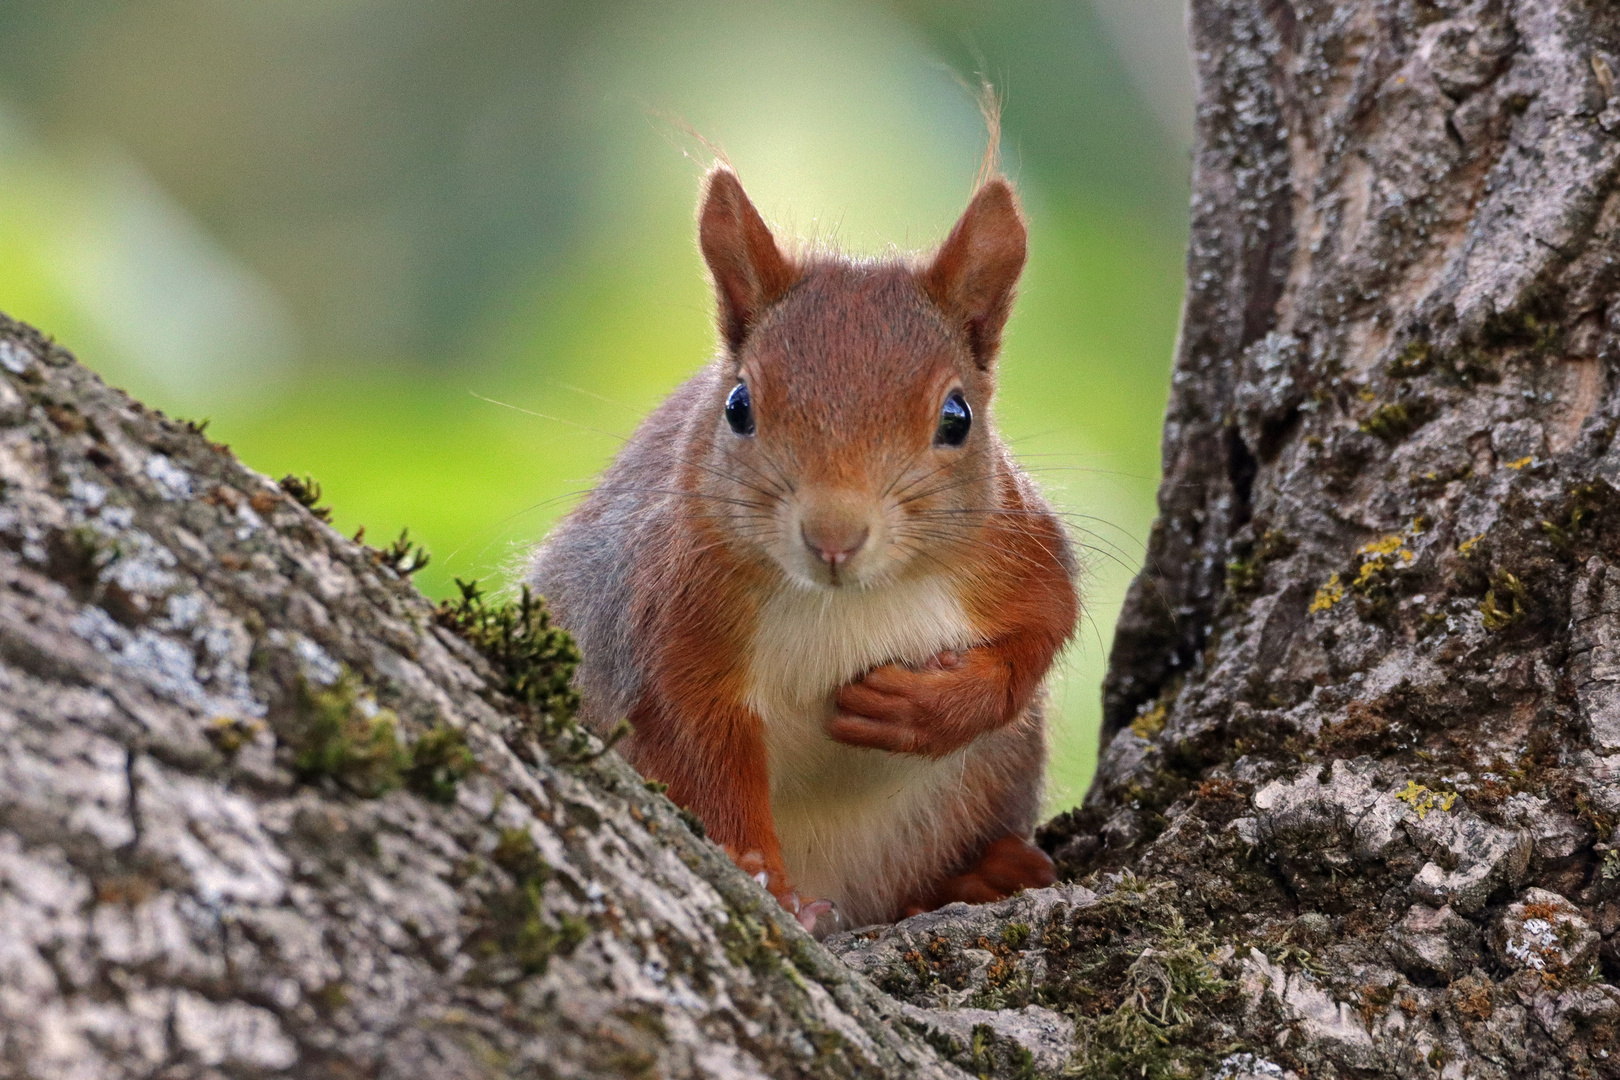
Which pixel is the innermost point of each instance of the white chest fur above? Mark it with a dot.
(848, 818)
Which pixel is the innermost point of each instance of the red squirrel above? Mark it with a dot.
(818, 585)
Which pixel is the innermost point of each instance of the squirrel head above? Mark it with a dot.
(849, 441)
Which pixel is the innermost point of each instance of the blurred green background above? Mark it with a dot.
(344, 229)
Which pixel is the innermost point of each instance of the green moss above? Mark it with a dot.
(1504, 601)
(77, 556)
(516, 853)
(515, 938)
(1464, 366)
(988, 1056)
(752, 943)
(1602, 821)
(1415, 359)
(334, 737)
(1163, 1001)
(693, 822)
(945, 1046)
(632, 1064)
(1434, 479)
(402, 556)
(1525, 328)
(440, 759)
(521, 934)
(330, 997)
(1242, 576)
(1395, 420)
(1274, 544)
(1151, 721)
(1246, 569)
(1581, 509)
(229, 735)
(306, 492)
(534, 660)
(1146, 977)
(1469, 368)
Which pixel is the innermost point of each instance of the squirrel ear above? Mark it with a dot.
(750, 271)
(973, 275)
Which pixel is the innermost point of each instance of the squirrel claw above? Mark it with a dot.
(820, 918)
(944, 660)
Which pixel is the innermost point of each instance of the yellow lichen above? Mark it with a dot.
(1379, 555)
(1151, 722)
(1466, 548)
(1521, 463)
(1329, 594)
(229, 735)
(1384, 545)
(1422, 799)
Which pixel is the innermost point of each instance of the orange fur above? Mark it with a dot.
(1006, 865)
(715, 766)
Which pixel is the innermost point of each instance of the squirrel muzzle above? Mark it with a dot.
(837, 528)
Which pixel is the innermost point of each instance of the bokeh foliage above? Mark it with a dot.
(337, 228)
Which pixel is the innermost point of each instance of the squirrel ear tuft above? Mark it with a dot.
(973, 276)
(750, 271)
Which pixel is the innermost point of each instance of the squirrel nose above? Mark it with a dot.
(834, 540)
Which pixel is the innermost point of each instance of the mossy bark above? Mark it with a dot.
(263, 813)
(1355, 809)
(1363, 706)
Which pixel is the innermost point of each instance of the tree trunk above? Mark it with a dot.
(1363, 762)
(1364, 701)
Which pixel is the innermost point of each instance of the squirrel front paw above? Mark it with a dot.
(818, 917)
(1006, 866)
(821, 918)
(931, 709)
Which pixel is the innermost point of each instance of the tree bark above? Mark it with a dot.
(198, 879)
(1362, 760)
(1363, 703)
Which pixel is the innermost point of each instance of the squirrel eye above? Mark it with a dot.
(740, 410)
(955, 418)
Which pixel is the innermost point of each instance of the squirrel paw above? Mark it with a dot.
(818, 917)
(821, 918)
(931, 709)
(772, 878)
(1007, 865)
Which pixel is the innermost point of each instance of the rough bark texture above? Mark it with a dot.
(1353, 818)
(198, 878)
(1364, 701)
